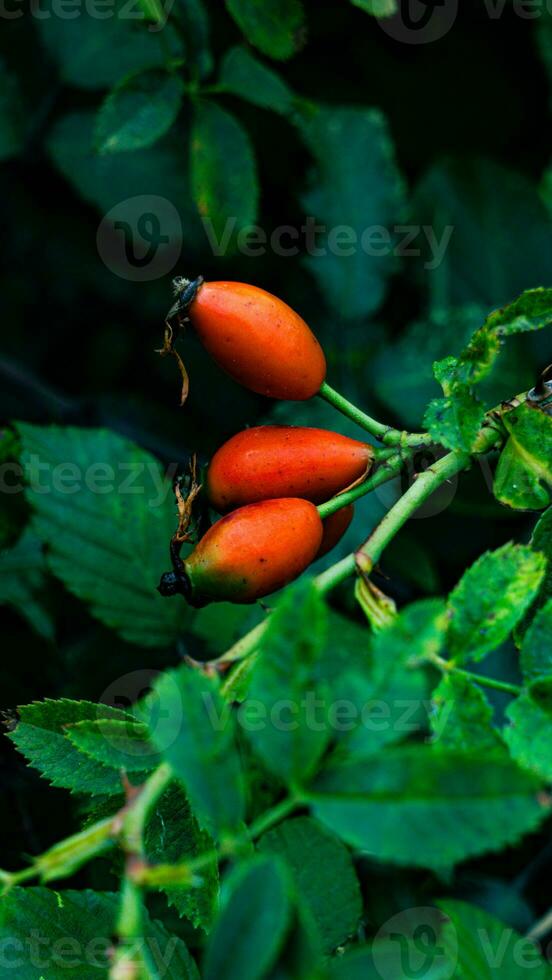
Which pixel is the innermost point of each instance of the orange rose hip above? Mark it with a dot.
(284, 461)
(253, 551)
(258, 340)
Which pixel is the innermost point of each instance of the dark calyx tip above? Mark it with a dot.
(185, 291)
(175, 583)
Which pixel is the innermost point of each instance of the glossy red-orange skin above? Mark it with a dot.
(334, 528)
(258, 340)
(284, 461)
(255, 550)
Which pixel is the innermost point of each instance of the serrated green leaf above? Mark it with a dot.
(323, 873)
(536, 649)
(120, 745)
(384, 805)
(138, 111)
(391, 696)
(40, 734)
(244, 75)
(360, 190)
(531, 311)
(23, 572)
(51, 934)
(462, 717)
(192, 727)
(173, 836)
(12, 114)
(455, 421)
(541, 541)
(253, 920)
(226, 197)
(490, 598)
(95, 53)
(529, 734)
(523, 478)
(105, 510)
(482, 947)
(287, 669)
(275, 27)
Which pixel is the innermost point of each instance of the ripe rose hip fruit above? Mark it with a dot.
(334, 528)
(253, 551)
(284, 461)
(258, 340)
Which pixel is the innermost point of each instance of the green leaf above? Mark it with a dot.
(192, 727)
(40, 734)
(254, 917)
(150, 180)
(490, 598)
(121, 745)
(51, 934)
(410, 359)
(105, 510)
(95, 53)
(275, 27)
(536, 649)
(455, 421)
(391, 694)
(194, 20)
(173, 836)
(484, 948)
(243, 75)
(529, 734)
(286, 673)
(385, 804)
(12, 114)
(323, 873)
(523, 478)
(462, 717)
(23, 574)
(541, 541)
(483, 205)
(226, 196)
(531, 311)
(378, 8)
(358, 194)
(404, 950)
(138, 111)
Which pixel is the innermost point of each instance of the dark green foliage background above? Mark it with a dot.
(469, 121)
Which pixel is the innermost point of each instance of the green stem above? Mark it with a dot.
(423, 487)
(387, 471)
(130, 959)
(136, 816)
(448, 667)
(417, 494)
(63, 859)
(183, 874)
(385, 433)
